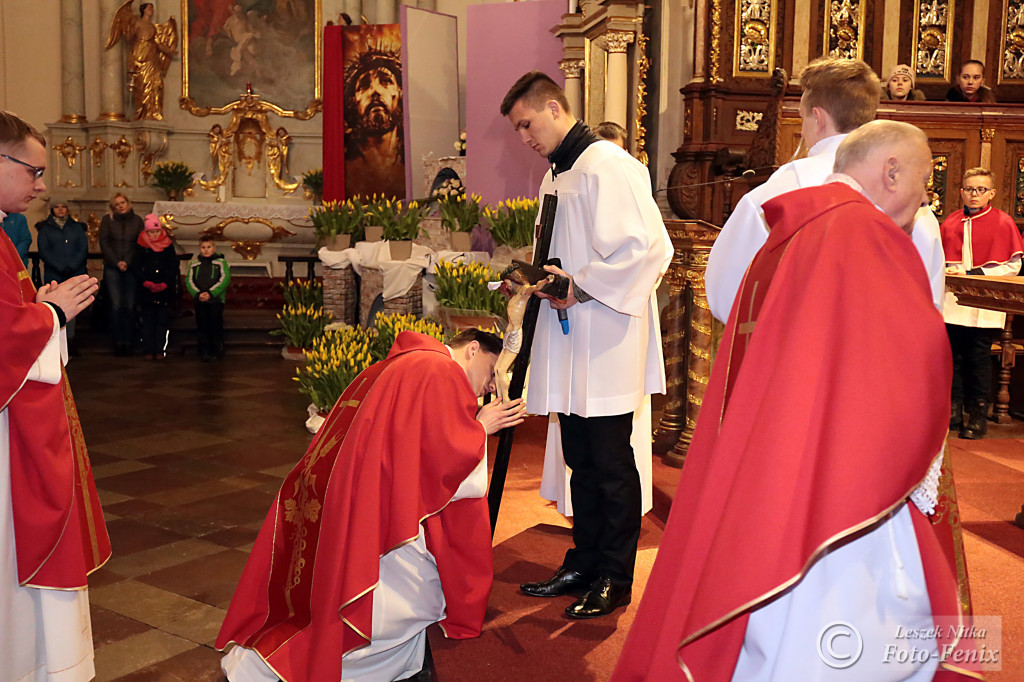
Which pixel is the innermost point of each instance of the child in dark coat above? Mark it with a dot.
(156, 266)
(207, 282)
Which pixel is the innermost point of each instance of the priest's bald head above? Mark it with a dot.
(892, 163)
(22, 160)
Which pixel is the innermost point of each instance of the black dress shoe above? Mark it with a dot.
(563, 582)
(603, 598)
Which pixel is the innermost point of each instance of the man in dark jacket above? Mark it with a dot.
(119, 233)
(64, 248)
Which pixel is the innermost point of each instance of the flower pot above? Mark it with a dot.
(374, 233)
(293, 353)
(174, 195)
(400, 249)
(461, 241)
(338, 242)
(455, 320)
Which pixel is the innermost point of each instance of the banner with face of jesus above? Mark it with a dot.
(373, 111)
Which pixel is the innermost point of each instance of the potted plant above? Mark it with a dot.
(313, 181)
(460, 215)
(300, 326)
(173, 177)
(378, 212)
(400, 224)
(332, 362)
(512, 224)
(337, 223)
(465, 299)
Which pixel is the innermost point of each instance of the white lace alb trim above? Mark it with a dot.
(926, 495)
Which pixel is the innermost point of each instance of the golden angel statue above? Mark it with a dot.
(152, 46)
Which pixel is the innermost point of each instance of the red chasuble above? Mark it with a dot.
(392, 454)
(58, 525)
(821, 417)
(995, 238)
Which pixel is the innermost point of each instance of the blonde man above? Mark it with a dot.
(839, 95)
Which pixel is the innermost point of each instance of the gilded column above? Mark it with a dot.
(111, 69)
(673, 342)
(573, 69)
(72, 63)
(979, 32)
(699, 358)
(616, 76)
(987, 135)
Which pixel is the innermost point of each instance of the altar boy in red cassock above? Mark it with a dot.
(979, 239)
(381, 529)
(51, 526)
(815, 461)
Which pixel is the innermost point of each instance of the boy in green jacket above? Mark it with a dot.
(207, 281)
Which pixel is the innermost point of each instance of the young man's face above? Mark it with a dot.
(970, 79)
(977, 191)
(206, 249)
(480, 369)
(537, 129)
(18, 185)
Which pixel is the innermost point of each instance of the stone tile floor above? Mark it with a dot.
(187, 458)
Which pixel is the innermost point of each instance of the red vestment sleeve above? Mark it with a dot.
(836, 411)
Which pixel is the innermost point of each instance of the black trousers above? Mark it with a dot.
(210, 327)
(605, 489)
(156, 320)
(972, 363)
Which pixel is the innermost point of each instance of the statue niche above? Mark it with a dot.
(248, 151)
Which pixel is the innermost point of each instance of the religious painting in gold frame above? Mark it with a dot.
(931, 58)
(273, 47)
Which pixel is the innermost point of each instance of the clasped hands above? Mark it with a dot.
(497, 415)
(72, 296)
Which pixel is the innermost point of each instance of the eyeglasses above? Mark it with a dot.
(975, 190)
(37, 172)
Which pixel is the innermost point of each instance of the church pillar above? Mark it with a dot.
(72, 60)
(573, 68)
(890, 38)
(979, 39)
(987, 135)
(111, 71)
(699, 362)
(387, 11)
(616, 77)
(801, 37)
(673, 341)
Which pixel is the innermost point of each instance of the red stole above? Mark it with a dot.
(362, 489)
(995, 238)
(816, 424)
(58, 524)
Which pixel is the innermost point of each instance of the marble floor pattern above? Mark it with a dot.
(187, 458)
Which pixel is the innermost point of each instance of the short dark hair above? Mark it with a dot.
(612, 131)
(489, 342)
(14, 131)
(206, 238)
(536, 88)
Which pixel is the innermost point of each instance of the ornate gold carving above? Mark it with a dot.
(73, 118)
(96, 149)
(92, 228)
(188, 104)
(151, 48)
(248, 248)
(69, 151)
(688, 121)
(572, 68)
(643, 64)
(754, 51)
(987, 135)
(844, 36)
(112, 116)
(748, 120)
(122, 149)
(1018, 204)
(148, 154)
(714, 76)
(931, 59)
(247, 138)
(616, 41)
(1011, 63)
(936, 187)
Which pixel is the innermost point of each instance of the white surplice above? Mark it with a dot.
(610, 237)
(966, 316)
(554, 484)
(745, 232)
(407, 599)
(45, 635)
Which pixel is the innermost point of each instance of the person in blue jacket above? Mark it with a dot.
(16, 228)
(63, 245)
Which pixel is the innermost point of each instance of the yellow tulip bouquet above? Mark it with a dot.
(400, 221)
(337, 357)
(302, 324)
(307, 292)
(464, 286)
(338, 217)
(460, 213)
(512, 222)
